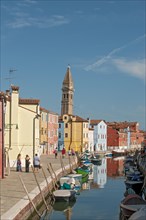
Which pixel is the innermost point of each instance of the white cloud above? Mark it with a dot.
(107, 57)
(136, 68)
(55, 20)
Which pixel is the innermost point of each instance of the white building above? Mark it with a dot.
(91, 140)
(61, 134)
(100, 134)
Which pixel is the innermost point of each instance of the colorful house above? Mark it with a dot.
(61, 134)
(21, 127)
(100, 134)
(75, 133)
(124, 135)
(52, 131)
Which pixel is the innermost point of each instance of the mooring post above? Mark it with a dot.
(39, 187)
(53, 182)
(29, 197)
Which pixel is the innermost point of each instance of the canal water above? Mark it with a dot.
(99, 198)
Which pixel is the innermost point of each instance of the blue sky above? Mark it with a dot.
(103, 41)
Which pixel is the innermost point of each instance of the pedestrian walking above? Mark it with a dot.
(69, 152)
(63, 152)
(19, 167)
(72, 152)
(27, 163)
(36, 162)
(56, 152)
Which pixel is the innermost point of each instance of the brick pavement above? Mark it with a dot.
(12, 191)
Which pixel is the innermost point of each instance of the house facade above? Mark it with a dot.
(100, 134)
(75, 133)
(124, 135)
(44, 130)
(91, 140)
(21, 127)
(60, 134)
(52, 131)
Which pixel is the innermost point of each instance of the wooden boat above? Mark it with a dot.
(139, 215)
(96, 161)
(136, 185)
(119, 152)
(79, 170)
(108, 154)
(131, 204)
(64, 195)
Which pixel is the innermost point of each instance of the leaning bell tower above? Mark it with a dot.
(67, 93)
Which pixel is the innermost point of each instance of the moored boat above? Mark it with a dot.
(136, 185)
(64, 195)
(131, 204)
(119, 152)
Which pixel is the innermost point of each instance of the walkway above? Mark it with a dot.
(12, 191)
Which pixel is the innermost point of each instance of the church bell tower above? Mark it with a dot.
(67, 93)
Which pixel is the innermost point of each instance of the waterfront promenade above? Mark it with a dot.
(12, 193)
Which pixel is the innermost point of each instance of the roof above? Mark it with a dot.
(123, 125)
(95, 122)
(68, 81)
(29, 101)
(75, 118)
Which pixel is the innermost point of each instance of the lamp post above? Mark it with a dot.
(36, 117)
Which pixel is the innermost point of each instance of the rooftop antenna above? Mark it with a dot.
(11, 70)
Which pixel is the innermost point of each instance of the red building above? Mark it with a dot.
(124, 134)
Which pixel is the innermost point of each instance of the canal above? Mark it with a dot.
(99, 198)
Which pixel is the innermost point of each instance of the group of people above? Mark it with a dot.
(19, 164)
(36, 163)
(70, 152)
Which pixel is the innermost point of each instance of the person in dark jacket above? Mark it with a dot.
(27, 163)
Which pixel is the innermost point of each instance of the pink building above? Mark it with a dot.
(52, 131)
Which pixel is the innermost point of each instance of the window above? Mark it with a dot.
(66, 125)
(59, 125)
(66, 135)
(59, 135)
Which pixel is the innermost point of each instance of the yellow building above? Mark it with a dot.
(75, 133)
(21, 127)
(44, 130)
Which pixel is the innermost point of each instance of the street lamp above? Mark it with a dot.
(36, 117)
(9, 126)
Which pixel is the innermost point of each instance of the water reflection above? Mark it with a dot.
(90, 194)
(110, 167)
(100, 174)
(115, 166)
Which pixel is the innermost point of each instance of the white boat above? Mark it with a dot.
(64, 195)
(76, 176)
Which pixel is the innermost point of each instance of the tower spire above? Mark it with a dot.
(67, 93)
